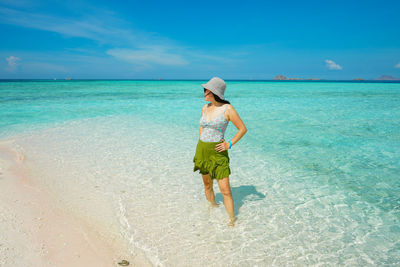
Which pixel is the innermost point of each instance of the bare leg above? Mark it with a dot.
(225, 189)
(208, 189)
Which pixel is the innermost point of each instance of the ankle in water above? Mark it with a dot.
(213, 204)
(232, 221)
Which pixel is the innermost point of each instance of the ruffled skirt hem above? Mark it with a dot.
(209, 161)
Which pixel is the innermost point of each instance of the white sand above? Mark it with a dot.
(35, 230)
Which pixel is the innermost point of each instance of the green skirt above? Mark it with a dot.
(209, 161)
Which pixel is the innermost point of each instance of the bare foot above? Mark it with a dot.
(213, 204)
(232, 221)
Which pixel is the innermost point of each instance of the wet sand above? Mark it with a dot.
(37, 231)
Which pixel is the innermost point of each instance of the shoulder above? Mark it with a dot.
(230, 111)
(229, 108)
(203, 108)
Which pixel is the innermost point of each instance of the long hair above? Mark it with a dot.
(219, 99)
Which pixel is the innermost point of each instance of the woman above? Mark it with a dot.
(211, 157)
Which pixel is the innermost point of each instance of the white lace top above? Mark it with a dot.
(213, 130)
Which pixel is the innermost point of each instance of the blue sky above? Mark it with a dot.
(199, 39)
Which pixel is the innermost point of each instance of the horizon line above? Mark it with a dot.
(161, 79)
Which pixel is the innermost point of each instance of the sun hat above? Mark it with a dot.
(216, 85)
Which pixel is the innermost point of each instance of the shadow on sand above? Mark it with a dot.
(239, 194)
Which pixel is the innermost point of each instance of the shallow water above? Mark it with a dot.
(315, 180)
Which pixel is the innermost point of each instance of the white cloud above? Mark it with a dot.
(12, 63)
(89, 27)
(60, 64)
(103, 26)
(397, 65)
(146, 47)
(332, 65)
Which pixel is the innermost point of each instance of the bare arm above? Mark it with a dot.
(202, 110)
(237, 121)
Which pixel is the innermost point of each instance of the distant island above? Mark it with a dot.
(382, 78)
(387, 78)
(281, 77)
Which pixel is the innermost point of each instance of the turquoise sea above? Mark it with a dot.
(315, 181)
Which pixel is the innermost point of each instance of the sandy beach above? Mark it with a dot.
(37, 231)
(92, 173)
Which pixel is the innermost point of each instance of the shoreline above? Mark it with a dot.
(40, 232)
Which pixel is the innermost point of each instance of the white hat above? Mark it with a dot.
(217, 86)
